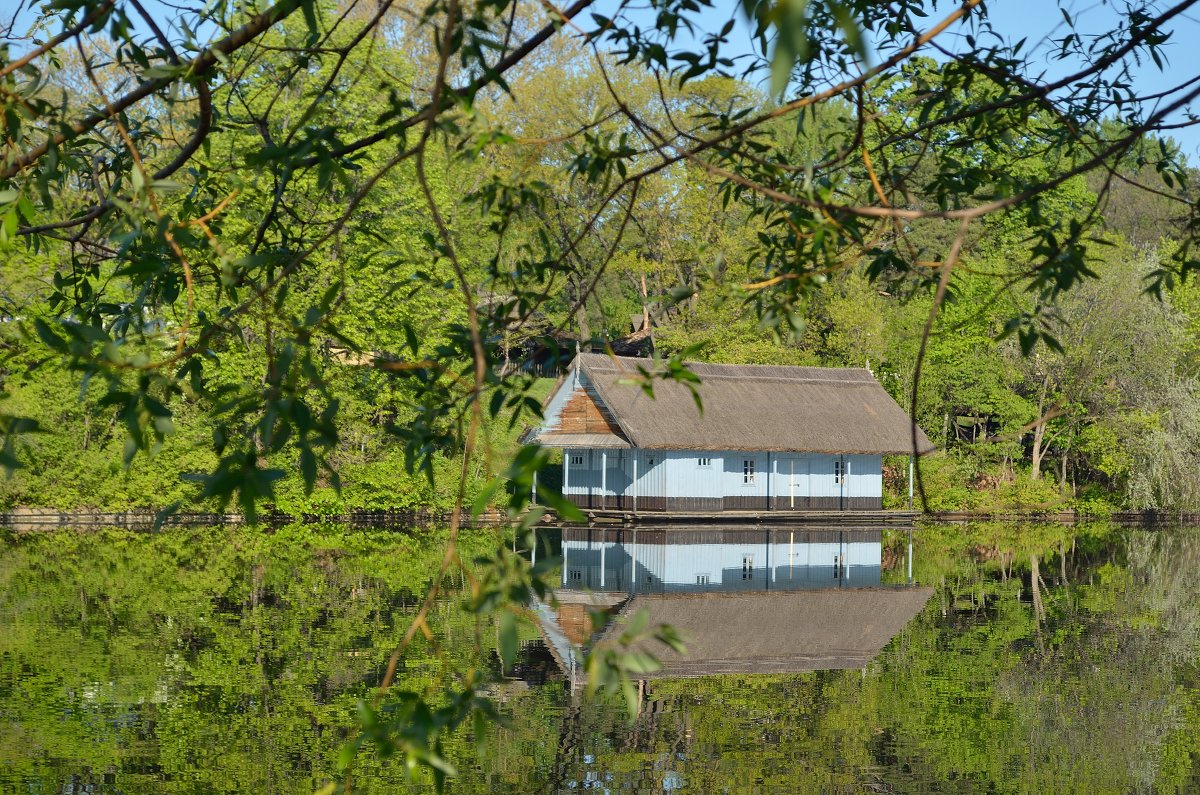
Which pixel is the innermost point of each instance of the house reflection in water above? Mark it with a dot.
(644, 561)
(745, 600)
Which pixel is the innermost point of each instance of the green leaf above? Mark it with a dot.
(507, 638)
(484, 498)
(639, 662)
(566, 510)
(851, 31)
(636, 625)
(47, 335)
(346, 755)
(309, 9)
(633, 704)
(308, 468)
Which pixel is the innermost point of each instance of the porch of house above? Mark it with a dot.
(624, 503)
(689, 482)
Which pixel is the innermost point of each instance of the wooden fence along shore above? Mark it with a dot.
(27, 520)
(24, 520)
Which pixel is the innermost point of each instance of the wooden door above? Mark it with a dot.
(793, 479)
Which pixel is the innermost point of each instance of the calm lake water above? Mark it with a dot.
(218, 660)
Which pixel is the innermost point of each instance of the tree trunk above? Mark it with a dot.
(646, 313)
(1039, 434)
(581, 320)
(1039, 610)
(504, 369)
(645, 303)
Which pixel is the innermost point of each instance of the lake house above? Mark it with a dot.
(769, 438)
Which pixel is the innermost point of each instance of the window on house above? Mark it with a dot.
(702, 579)
(576, 575)
(576, 460)
(747, 567)
(704, 462)
(839, 472)
(748, 472)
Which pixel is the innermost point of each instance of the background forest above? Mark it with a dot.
(1089, 400)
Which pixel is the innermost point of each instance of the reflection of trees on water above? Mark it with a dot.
(233, 657)
(1107, 695)
(1099, 694)
(231, 660)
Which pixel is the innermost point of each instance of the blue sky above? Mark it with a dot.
(1036, 20)
(1040, 20)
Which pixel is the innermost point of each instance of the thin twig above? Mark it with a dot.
(198, 66)
(151, 197)
(939, 296)
(472, 88)
(99, 10)
(478, 355)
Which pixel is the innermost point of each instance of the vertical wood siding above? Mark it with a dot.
(552, 412)
(583, 414)
(587, 487)
(676, 480)
(577, 408)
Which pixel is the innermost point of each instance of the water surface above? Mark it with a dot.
(229, 660)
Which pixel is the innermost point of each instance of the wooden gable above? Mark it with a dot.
(583, 413)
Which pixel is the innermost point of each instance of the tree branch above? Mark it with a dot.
(197, 68)
(98, 11)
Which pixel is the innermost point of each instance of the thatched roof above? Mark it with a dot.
(754, 407)
(776, 632)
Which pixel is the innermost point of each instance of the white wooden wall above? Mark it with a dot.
(680, 473)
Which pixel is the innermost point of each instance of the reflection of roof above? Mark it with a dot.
(776, 632)
(754, 407)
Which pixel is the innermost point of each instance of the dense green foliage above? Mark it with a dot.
(297, 308)
(219, 661)
(312, 253)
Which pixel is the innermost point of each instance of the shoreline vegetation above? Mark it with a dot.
(954, 485)
(965, 477)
